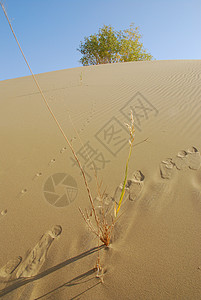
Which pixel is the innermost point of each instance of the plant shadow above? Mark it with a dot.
(73, 282)
(19, 282)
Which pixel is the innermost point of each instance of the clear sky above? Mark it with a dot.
(50, 31)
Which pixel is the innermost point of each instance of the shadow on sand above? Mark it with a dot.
(19, 282)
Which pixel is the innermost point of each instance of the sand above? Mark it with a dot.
(46, 249)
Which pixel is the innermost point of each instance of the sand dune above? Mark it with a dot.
(155, 251)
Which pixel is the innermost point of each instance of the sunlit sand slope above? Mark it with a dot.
(46, 249)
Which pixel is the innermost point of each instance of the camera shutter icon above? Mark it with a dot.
(60, 189)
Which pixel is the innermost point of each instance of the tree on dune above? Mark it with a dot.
(111, 46)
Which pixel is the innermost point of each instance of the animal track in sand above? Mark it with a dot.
(4, 212)
(37, 175)
(22, 193)
(10, 267)
(86, 123)
(35, 258)
(62, 150)
(52, 161)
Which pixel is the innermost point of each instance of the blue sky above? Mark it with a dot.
(50, 31)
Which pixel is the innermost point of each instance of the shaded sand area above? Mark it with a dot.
(46, 249)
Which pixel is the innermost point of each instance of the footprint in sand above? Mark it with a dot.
(104, 205)
(135, 185)
(181, 160)
(188, 159)
(10, 267)
(118, 192)
(35, 258)
(166, 168)
(194, 159)
(133, 188)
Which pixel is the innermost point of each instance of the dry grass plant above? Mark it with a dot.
(103, 228)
